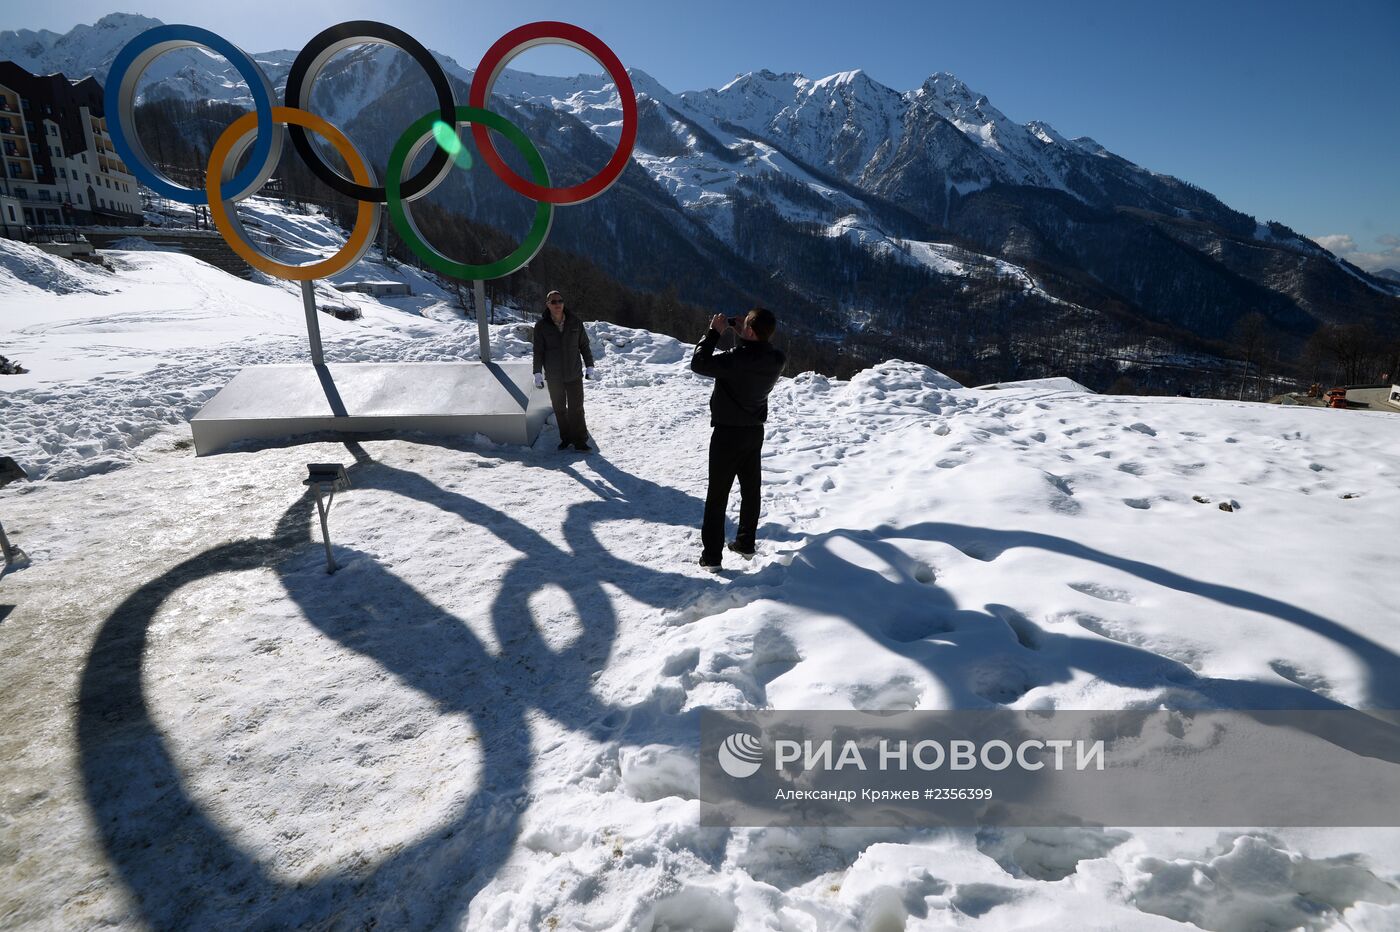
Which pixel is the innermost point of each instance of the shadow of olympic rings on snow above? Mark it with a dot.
(184, 870)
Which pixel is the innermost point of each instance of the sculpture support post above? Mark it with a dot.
(483, 335)
(313, 325)
(324, 507)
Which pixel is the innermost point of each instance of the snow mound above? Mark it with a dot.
(896, 373)
(1056, 383)
(136, 244)
(27, 269)
(636, 347)
(1256, 882)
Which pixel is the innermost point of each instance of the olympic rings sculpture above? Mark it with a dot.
(259, 136)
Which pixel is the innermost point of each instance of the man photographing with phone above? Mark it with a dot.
(738, 410)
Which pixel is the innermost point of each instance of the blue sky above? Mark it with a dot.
(1286, 110)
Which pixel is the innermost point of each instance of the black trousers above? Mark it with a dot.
(735, 452)
(567, 398)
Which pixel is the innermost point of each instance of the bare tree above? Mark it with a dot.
(1250, 334)
(1353, 351)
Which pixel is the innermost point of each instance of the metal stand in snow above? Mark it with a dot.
(10, 471)
(12, 553)
(313, 325)
(483, 335)
(327, 479)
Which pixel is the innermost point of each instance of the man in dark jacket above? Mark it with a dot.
(738, 410)
(563, 358)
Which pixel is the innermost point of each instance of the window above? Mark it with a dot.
(89, 179)
(44, 194)
(12, 212)
(85, 161)
(80, 198)
(62, 172)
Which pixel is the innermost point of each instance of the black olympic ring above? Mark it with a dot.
(302, 77)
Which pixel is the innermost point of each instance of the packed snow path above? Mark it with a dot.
(488, 717)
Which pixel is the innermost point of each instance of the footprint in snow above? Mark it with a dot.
(1300, 677)
(1102, 592)
(999, 682)
(1028, 634)
(907, 629)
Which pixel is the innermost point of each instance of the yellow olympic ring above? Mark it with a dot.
(224, 159)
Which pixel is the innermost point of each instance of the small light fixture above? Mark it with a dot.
(327, 479)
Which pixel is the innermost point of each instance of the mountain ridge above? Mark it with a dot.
(830, 192)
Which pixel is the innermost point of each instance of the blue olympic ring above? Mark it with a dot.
(132, 62)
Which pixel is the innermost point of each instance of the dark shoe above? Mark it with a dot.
(712, 567)
(746, 554)
(564, 445)
(583, 447)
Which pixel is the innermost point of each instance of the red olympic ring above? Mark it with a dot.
(494, 62)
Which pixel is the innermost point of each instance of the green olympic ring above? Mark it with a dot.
(408, 147)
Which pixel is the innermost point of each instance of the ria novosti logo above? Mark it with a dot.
(740, 755)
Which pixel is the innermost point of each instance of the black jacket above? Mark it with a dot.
(557, 351)
(743, 379)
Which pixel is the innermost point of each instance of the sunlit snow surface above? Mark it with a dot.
(488, 718)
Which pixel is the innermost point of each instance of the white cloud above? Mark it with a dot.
(1337, 243)
(1343, 246)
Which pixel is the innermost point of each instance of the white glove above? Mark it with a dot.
(590, 374)
(539, 380)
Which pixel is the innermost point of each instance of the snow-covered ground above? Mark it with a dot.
(488, 718)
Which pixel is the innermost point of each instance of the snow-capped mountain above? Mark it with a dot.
(861, 207)
(83, 50)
